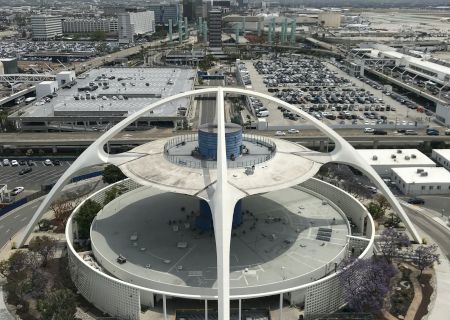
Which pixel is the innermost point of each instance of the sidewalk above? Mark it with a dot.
(440, 303)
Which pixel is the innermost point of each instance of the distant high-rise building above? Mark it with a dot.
(215, 28)
(192, 9)
(134, 23)
(108, 25)
(165, 11)
(45, 27)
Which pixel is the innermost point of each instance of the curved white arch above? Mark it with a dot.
(225, 195)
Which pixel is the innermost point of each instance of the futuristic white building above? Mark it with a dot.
(243, 221)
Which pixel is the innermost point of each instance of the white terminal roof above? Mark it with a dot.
(433, 175)
(444, 153)
(142, 86)
(403, 157)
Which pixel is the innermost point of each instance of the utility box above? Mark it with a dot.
(65, 77)
(45, 88)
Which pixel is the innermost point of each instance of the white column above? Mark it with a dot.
(281, 306)
(222, 205)
(206, 309)
(240, 309)
(164, 307)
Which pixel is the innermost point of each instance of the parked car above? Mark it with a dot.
(369, 130)
(447, 132)
(22, 162)
(121, 259)
(16, 190)
(380, 132)
(14, 163)
(25, 171)
(280, 133)
(416, 201)
(410, 133)
(5, 162)
(293, 131)
(56, 162)
(48, 162)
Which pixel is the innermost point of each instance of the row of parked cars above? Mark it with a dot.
(29, 163)
(287, 69)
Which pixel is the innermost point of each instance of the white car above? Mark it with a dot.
(16, 190)
(14, 163)
(48, 162)
(293, 131)
(280, 133)
(369, 130)
(5, 162)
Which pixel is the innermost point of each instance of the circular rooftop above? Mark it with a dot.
(287, 234)
(168, 165)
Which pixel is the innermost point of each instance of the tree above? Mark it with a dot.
(58, 305)
(62, 210)
(113, 193)
(375, 210)
(98, 35)
(365, 282)
(4, 268)
(85, 216)
(425, 256)
(44, 246)
(391, 242)
(112, 174)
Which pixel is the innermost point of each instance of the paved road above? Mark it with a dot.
(13, 222)
(437, 232)
(208, 107)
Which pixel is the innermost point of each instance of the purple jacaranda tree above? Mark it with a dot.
(425, 256)
(365, 282)
(391, 243)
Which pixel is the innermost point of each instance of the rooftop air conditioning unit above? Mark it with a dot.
(393, 156)
(413, 156)
(407, 158)
(399, 151)
(424, 174)
(374, 158)
(420, 170)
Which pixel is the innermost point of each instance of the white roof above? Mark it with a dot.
(444, 153)
(403, 157)
(434, 175)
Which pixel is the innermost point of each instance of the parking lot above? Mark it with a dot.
(32, 181)
(329, 94)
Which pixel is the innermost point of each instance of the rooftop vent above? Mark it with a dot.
(374, 157)
(424, 174)
(413, 156)
(393, 156)
(420, 170)
(399, 151)
(407, 158)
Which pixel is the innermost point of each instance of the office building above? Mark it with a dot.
(192, 9)
(45, 27)
(442, 156)
(135, 23)
(108, 25)
(164, 12)
(416, 181)
(215, 28)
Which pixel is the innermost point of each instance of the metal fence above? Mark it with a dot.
(189, 161)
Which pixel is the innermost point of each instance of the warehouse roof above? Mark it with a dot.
(395, 157)
(420, 175)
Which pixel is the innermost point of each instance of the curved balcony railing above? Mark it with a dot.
(246, 160)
